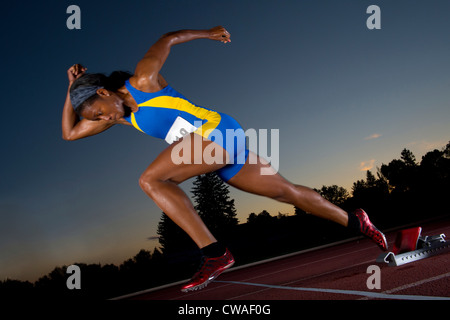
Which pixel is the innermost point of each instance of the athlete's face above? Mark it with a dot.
(107, 106)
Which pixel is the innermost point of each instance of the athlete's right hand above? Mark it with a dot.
(219, 33)
(75, 71)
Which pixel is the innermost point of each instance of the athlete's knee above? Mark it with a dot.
(285, 193)
(294, 194)
(306, 195)
(149, 182)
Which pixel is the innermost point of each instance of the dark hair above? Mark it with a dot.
(112, 83)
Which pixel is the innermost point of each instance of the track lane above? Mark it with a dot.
(341, 267)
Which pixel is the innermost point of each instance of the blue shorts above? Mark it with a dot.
(230, 135)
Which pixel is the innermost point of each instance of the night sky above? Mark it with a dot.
(345, 99)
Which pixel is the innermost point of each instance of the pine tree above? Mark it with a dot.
(335, 194)
(213, 203)
(408, 158)
(172, 238)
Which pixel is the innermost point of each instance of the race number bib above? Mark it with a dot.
(179, 129)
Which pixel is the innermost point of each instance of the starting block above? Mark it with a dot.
(411, 246)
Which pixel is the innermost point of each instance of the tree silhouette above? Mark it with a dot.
(408, 158)
(434, 175)
(446, 151)
(401, 173)
(263, 218)
(172, 238)
(213, 203)
(335, 194)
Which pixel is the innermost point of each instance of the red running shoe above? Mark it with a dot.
(210, 269)
(369, 230)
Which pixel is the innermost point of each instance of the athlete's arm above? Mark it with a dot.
(74, 128)
(146, 74)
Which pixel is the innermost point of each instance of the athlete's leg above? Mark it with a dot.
(250, 179)
(274, 186)
(160, 182)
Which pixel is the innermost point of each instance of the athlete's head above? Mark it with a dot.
(94, 97)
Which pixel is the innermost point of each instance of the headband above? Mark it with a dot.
(81, 94)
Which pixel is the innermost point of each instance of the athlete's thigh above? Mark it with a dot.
(185, 159)
(260, 178)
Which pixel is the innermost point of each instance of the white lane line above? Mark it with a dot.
(418, 283)
(414, 284)
(349, 292)
(303, 279)
(309, 263)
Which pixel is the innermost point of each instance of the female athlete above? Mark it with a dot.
(95, 103)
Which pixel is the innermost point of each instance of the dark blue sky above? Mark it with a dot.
(345, 99)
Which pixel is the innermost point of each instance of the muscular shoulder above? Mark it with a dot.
(147, 83)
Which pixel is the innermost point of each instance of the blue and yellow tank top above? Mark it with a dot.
(168, 115)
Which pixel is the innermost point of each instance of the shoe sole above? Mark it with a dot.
(211, 278)
(385, 248)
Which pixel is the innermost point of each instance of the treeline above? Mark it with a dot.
(400, 192)
(405, 190)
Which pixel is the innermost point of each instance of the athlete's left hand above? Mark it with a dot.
(75, 71)
(219, 33)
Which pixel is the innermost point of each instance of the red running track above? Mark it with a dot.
(338, 272)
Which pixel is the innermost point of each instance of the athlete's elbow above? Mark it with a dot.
(171, 38)
(69, 137)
